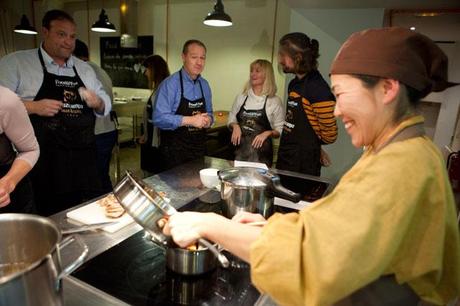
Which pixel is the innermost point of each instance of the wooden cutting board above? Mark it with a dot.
(94, 213)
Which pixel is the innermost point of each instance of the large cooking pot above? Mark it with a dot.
(150, 210)
(30, 265)
(252, 190)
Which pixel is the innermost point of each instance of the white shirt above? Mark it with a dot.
(274, 108)
(22, 72)
(103, 124)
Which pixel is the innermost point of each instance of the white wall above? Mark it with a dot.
(331, 28)
(445, 128)
(230, 50)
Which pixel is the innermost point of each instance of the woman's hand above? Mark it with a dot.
(236, 134)
(259, 139)
(247, 217)
(185, 227)
(6, 187)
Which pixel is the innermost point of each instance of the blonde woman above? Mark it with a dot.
(257, 115)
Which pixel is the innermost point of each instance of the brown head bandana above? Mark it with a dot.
(395, 53)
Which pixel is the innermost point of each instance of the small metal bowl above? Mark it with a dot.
(187, 262)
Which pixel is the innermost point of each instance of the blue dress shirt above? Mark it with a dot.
(168, 95)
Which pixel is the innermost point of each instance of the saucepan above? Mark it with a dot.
(30, 263)
(150, 210)
(252, 190)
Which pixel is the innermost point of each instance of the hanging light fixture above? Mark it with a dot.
(24, 27)
(103, 24)
(218, 18)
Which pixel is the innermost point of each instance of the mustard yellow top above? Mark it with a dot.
(392, 213)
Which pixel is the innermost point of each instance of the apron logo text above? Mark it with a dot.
(60, 83)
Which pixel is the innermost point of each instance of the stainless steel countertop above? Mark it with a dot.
(181, 185)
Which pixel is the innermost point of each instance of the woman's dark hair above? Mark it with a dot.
(413, 95)
(303, 50)
(159, 69)
(55, 15)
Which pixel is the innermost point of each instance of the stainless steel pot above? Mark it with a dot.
(30, 265)
(252, 190)
(144, 205)
(189, 262)
(150, 210)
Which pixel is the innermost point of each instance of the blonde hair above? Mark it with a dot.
(269, 87)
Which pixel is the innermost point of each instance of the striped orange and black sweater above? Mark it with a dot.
(318, 103)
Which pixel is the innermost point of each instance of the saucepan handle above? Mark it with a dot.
(77, 262)
(220, 257)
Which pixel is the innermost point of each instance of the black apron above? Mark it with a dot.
(66, 172)
(184, 143)
(21, 199)
(150, 155)
(300, 148)
(252, 123)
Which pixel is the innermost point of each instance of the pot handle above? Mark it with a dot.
(276, 189)
(77, 262)
(283, 192)
(220, 257)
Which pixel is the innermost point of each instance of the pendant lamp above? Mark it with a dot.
(24, 27)
(218, 18)
(103, 24)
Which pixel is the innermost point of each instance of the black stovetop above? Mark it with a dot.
(135, 272)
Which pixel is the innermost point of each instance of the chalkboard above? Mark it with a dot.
(124, 65)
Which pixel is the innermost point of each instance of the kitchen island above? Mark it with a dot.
(181, 185)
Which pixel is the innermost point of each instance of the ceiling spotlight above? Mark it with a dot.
(24, 27)
(218, 18)
(412, 28)
(103, 24)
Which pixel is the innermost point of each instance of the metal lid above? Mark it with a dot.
(243, 176)
(144, 205)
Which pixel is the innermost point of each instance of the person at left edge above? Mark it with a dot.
(183, 109)
(19, 152)
(63, 97)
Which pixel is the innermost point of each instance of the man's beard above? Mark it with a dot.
(287, 69)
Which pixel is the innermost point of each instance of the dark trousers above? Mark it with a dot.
(104, 146)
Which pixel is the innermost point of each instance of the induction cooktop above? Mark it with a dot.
(135, 272)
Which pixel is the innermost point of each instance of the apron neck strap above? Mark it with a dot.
(409, 132)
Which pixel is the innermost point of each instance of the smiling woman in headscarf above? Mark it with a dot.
(387, 234)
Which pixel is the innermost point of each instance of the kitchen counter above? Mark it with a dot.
(181, 185)
(181, 189)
